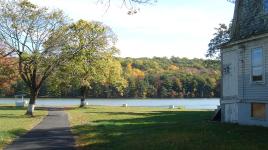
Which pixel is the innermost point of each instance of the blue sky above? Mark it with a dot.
(168, 28)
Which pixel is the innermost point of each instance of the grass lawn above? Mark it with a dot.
(118, 128)
(13, 123)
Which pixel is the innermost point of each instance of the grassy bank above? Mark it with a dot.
(13, 123)
(117, 128)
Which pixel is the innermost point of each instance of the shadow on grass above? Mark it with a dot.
(12, 116)
(45, 139)
(5, 136)
(37, 108)
(121, 113)
(169, 131)
(11, 108)
(7, 109)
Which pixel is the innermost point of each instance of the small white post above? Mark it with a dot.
(171, 106)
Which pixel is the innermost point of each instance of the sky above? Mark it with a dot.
(180, 28)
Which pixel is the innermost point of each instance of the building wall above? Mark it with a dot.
(249, 31)
(230, 86)
(248, 90)
(244, 115)
(230, 91)
(236, 103)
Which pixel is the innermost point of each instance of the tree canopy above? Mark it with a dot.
(42, 41)
(94, 63)
(36, 36)
(140, 78)
(42, 53)
(221, 36)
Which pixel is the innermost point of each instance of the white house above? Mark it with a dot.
(244, 98)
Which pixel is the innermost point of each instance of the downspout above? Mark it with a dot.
(242, 53)
(221, 90)
(221, 81)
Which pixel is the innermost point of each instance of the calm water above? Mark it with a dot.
(186, 103)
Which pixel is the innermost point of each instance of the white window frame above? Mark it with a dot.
(263, 66)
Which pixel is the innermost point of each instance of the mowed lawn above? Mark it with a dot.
(14, 123)
(133, 128)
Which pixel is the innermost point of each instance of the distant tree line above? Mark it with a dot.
(142, 78)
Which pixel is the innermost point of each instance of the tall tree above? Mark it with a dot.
(8, 71)
(37, 37)
(113, 78)
(94, 63)
(221, 36)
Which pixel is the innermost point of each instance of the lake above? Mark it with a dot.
(186, 103)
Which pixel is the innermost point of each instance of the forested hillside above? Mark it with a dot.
(144, 78)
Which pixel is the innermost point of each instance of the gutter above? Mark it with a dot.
(253, 38)
(242, 60)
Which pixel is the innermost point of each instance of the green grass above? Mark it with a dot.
(14, 123)
(117, 128)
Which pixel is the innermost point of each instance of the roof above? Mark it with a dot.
(250, 19)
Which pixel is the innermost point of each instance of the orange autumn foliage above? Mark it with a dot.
(173, 68)
(133, 72)
(8, 71)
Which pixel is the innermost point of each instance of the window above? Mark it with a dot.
(257, 65)
(258, 111)
(265, 4)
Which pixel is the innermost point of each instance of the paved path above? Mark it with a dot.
(52, 133)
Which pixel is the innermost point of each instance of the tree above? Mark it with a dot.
(37, 37)
(148, 78)
(8, 71)
(113, 76)
(221, 36)
(94, 63)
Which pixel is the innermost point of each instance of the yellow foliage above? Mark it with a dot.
(173, 68)
(133, 72)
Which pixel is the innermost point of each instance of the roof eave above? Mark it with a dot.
(236, 42)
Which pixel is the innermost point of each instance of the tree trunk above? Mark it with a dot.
(83, 102)
(31, 106)
(83, 97)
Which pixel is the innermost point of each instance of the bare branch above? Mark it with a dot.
(131, 5)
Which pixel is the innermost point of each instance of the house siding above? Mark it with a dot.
(230, 86)
(237, 108)
(244, 115)
(249, 31)
(248, 90)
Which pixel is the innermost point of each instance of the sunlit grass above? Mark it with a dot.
(13, 123)
(134, 128)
